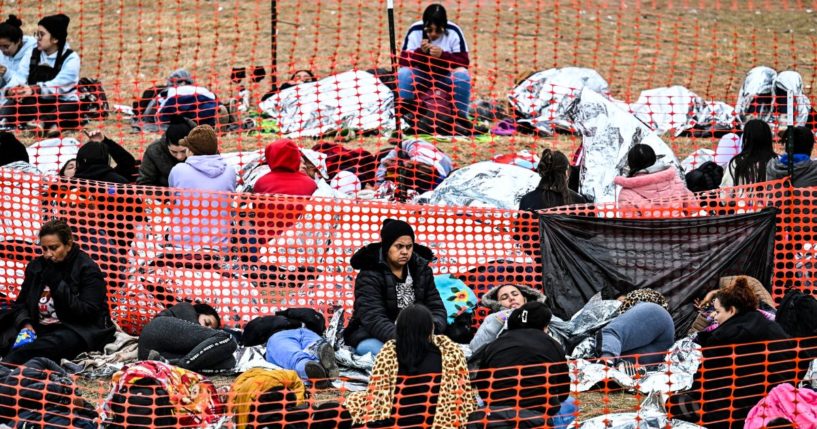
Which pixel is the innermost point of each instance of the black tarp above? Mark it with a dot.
(681, 258)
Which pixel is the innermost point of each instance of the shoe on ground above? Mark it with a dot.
(326, 356)
(317, 374)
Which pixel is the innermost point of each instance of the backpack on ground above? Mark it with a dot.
(797, 314)
(93, 102)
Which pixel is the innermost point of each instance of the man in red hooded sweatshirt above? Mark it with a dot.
(285, 176)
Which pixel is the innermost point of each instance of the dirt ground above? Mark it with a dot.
(705, 46)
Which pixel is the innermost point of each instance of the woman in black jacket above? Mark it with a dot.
(394, 274)
(63, 300)
(738, 368)
(552, 191)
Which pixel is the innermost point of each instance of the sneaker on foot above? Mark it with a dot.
(326, 356)
(317, 373)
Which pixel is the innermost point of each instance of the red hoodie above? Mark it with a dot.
(285, 177)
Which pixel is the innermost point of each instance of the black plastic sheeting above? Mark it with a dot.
(681, 258)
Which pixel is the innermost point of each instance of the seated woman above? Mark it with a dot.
(62, 308)
(435, 56)
(648, 179)
(427, 374)
(44, 91)
(738, 368)
(643, 327)
(531, 396)
(394, 274)
(501, 300)
(704, 321)
(552, 191)
(16, 49)
(188, 335)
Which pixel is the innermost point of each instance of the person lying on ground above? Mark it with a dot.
(62, 307)
(418, 380)
(43, 95)
(188, 335)
(501, 300)
(805, 169)
(738, 368)
(523, 375)
(642, 332)
(394, 274)
(165, 153)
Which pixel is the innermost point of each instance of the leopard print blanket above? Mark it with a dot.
(456, 401)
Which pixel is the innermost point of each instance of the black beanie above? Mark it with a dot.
(532, 315)
(57, 25)
(178, 129)
(391, 231)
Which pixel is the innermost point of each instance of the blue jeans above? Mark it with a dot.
(646, 329)
(289, 349)
(567, 413)
(411, 81)
(369, 345)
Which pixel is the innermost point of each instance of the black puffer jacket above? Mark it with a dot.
(80, 297)
(375, 308)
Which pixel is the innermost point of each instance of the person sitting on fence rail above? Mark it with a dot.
(805, 169)
(16, 49)
(524, 375)
(435, 55)
(418, 380)
(165, 153)
(44, 92)
(738, 367)
(643, 327)
(749, 166)
(62, 308)
(188, 335)
(501, 300)
(394, 274)
(649, 178)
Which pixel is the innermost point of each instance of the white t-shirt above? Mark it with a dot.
(451, 41)
(48, 315)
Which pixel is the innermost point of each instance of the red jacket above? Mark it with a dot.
(285, 177)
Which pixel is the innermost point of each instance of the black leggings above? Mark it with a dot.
(46, 109)
(188, 345)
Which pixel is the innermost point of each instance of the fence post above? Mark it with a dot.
(398, 129)
(274, 44)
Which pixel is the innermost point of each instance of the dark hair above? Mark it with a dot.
(414, 328)
(206, 309)
(552, 169)
(59, 228)
(309, 72)
(435, 14)
(803, 140)
(640, 157)
(64, 166)
(11, 29)
(749, 166)
(738, 295)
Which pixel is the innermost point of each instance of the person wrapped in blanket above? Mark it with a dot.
(188, 335)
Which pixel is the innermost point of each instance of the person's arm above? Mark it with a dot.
(148, 171)
(433, 302)
(373, 316)
(20, 306)
(89, 300)
(125, 162)
(66, 81)
(21, 77)
(487, 332)
(454, 59)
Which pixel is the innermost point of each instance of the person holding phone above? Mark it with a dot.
(435, 55)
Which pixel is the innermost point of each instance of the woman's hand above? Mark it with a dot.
(435, 51)
(95, 135)
(28, 326)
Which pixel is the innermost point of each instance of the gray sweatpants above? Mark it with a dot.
(188, 345)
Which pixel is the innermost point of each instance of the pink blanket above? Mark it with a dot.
(796, 405)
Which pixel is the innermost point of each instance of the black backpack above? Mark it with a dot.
(93, 102)
(797, 314)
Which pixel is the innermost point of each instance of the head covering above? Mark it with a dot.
(11, 149)
(728, 147)
(57, 25)
(346, 182)
(642, 295)
(532, 315)
(180, 77)
(392, 230)
(201, 140)
(283, 155)
(178, 129)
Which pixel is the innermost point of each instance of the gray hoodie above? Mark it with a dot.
(805, 172)
(494, 323)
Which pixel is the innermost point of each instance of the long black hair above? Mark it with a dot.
(11, 29)
(552, 169)
(415, 325)
(435, 14)
(641, 156)
(749, 166)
